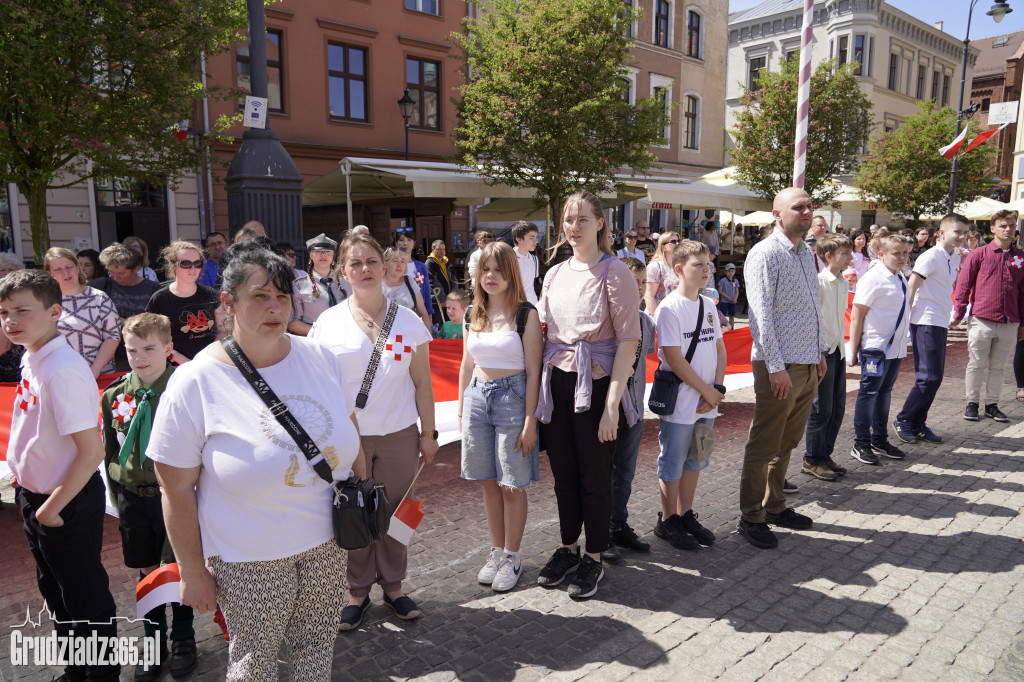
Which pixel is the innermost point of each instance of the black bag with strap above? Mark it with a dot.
(360, 512)
(665, 387)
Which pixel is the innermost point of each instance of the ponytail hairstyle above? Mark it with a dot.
(508, 265)
(580, 199)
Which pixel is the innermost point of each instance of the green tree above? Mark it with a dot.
(542, 101)
(906, 174)
(838, 126)
(95, 87)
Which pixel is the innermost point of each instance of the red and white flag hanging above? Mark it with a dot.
(950, 150)
(405, 521)
(980, 139)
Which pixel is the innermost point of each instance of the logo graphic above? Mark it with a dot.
(123, 407)
(1017, 261)
(398, 351)
(25, 397)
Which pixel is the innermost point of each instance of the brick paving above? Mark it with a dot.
(913, 570)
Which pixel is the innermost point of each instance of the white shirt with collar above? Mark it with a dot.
(529, 269)
(934, 303)
(57, 397)
(884, 292)
(638, 254)
(834, 297)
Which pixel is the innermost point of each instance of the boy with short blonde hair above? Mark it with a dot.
(455, 307)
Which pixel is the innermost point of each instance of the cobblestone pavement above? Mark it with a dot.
(913, 570)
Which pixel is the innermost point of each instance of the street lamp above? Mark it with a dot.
(405, 105)
(1000, 9)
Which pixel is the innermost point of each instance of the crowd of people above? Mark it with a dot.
(202, 472)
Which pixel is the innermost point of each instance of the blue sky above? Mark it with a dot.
(952, 12)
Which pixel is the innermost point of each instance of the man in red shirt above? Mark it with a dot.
(991, 280)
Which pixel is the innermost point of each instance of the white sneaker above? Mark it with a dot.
(486, 574)
(508, 574)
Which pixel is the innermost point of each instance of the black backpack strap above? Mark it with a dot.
(522, 315)
(469, 312)
(408, 285)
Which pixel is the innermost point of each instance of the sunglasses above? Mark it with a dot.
(290, 254)
(672, 241)
(403, 229)
(186, 264)
(630, 236)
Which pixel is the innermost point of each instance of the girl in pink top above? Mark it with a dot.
(592, 332)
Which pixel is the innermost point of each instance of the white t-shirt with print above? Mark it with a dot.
(676, 320)
(259, 498)
(391, 405)
(934, 303)
(665, 277)
(884, 295)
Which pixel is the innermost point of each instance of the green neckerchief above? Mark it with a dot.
(142, 422)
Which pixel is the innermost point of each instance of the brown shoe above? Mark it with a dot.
(821, 471)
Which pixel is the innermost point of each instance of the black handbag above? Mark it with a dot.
(360, 511)
(665, 387)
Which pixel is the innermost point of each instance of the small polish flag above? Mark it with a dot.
(160, 587)
(950, 150)
(980, 139)
(405, 520)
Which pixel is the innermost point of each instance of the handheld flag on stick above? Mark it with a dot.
(407, 515)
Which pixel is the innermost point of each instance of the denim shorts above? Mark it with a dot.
(675, 454)
(493, 413)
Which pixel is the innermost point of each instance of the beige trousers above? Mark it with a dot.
(990, 345)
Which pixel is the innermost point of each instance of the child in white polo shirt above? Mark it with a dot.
(930, 292)
(878, 329)
(54, 451)
(700, 392)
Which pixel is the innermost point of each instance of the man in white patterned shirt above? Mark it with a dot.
(788, 360)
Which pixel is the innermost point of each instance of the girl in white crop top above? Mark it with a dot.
(499, 382)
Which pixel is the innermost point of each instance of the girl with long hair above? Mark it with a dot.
(499, 381)
(661, 278)
(320, 289)
(861, 260)
(589, 305)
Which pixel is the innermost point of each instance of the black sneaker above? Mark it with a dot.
(904, 431)
(626, 537)
(588, 575)
(790, 488)
(758, 534)
(993, 412)
(788, 518)
(611, 554)
(887, 449)
(183, 658)
(927, 435)
(865, 454)
(561, 563)
(971, 413)
(670, 531)
(834, 466)
(691, 525)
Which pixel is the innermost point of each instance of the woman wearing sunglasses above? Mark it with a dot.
(191, 307)
(661, 278)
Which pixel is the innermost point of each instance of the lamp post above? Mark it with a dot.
(1000, 9)
(405, 105)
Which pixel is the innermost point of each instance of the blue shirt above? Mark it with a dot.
(208, 275)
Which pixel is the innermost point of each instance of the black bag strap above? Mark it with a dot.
(278, 409)
(408, 285)
(899, 318)
(522, 315)
(378, 349)
(696, 333)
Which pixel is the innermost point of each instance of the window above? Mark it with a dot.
(423, 79)
(858, 55)
(843, 49)
(275, 71)
(986, 104)
(661, 94)
(693, 35)
(427, 6)
(627, 90)
(871, 56)
(629, 26)
(661, 25)
(922, 75)
(935, 85)
(346, 81)
(894, 71)
(691, 122)
(756, 67)
(945, 90)
(129, 192)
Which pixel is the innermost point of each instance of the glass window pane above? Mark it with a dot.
(430, 109)
(355, 61)
(274, 88)
(242, 50)
(430, 74)
(274, 47)
(357, 99)
(415, 120)
(412, 71)
(335, 57)
(410, 4)
(430, 6)
(337, 96)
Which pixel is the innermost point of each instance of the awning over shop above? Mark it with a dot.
(705, 195)
(756, 218)
(981, 208)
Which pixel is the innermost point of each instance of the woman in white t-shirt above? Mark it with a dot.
(249, 518)
(499, 381)
(400, 288)
(399, 395)
(661, 278)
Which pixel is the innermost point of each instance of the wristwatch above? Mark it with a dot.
(433, 434)
(719, 387)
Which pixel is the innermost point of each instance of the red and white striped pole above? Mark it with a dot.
(803, 102)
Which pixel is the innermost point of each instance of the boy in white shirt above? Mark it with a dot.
(830, 401)
(524, 236)
(879, 323)
(930, 293)
(700, 392)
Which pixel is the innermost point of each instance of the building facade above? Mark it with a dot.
(997, 78)
(901, 62)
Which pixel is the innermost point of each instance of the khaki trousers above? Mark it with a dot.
(990, 345)
(392, 460)
(775, 430)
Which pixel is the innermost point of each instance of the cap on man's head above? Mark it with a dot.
(321, 241)
(730, 266)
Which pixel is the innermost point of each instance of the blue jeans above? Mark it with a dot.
(929, 364)
(827, 411)
(493, 414)
(627, 447)
(871, 412)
